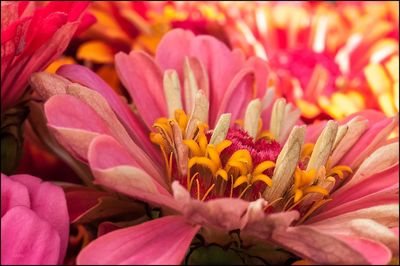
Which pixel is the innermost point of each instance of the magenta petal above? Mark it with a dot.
(143, 80)
(13, 194)
(49, 203)
(28, 239)
(161, 241)
(19, 74)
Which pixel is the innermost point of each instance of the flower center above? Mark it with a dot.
(237, 167)
(240, 166)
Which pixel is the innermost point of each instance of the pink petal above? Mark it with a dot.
(231, 213)
(143, 80)
(13, 194)
(368, 228)
(87, 78)
(200, 75)
(395, 230)
(221, 63)
(72, 116)
(126, 178)
(172, 49)
(161, 241)
(136, 183)
(28, 239)
(372, 139)
(238, 94)
(313, 131)
(373, 116)
(383, 197)
(257, 223)
(48, 202)
(261, 74)
(374, 252)
(322, 248)
(372, 184)
(105, 152)
(47, 85)
(102, 108)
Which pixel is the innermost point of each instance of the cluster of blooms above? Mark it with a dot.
(200, 133)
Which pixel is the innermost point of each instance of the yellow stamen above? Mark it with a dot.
(202, 139)
(339, 170)
(156, 138)
(316, 189)
(243, 155)
(193, 147)
(182, 119)
(298, 195)
(263, 166)
(191, 181)
(208, 192)
(265, 134)
(314, 207)
(170, 168)
(223, 145)
(231, 193)
(244, 191)
(213, 155)
(205, 162)
(308, 176)
(238, 165)
(307, 150)
(239, 122)
(166, 161)
(264, 178)
(222, 173)
(240, 180)
(198, 188)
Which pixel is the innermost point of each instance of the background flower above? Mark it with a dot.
(33, 34)
(328, 55)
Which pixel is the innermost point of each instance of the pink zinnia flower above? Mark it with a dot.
(334, 58)
(32, 36)
(34, 221)
(217, 177)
